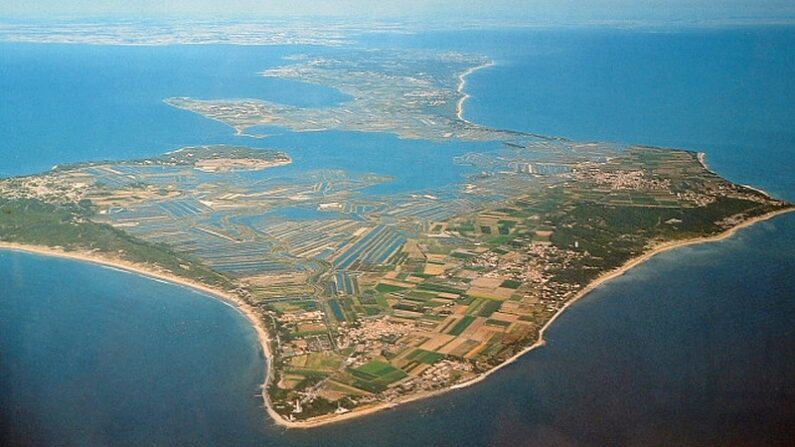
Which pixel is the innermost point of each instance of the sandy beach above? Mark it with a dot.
(264, 339)
(462, 82)
(229, 297)
(540, 342)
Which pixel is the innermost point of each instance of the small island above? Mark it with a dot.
(224, 158)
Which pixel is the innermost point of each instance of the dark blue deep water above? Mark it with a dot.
(694, 348)
(95, 356)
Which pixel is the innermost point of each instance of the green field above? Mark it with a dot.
(489, 308)
(388, 288)
(461, 325)
(376, 375)
(424, 356)
(511, 284)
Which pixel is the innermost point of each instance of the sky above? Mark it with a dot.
(559, 11)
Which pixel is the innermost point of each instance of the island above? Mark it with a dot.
(364, 300)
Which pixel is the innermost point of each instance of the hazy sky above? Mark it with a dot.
(535, 10)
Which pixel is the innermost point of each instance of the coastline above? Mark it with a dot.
(227, 297)
(607, 276)
(264, 340)
(462, 82)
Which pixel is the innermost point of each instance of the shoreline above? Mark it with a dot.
(227, 297)
(264, 340)
(607, 276)
(462, 82)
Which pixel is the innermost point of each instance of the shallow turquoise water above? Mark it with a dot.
(696, 347)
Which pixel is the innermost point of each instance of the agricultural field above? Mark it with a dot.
(370, 297)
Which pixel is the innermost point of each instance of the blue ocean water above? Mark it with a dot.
(695, 347)
(412, 165)
(96, 356)
(729, 93)
(71, 103)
